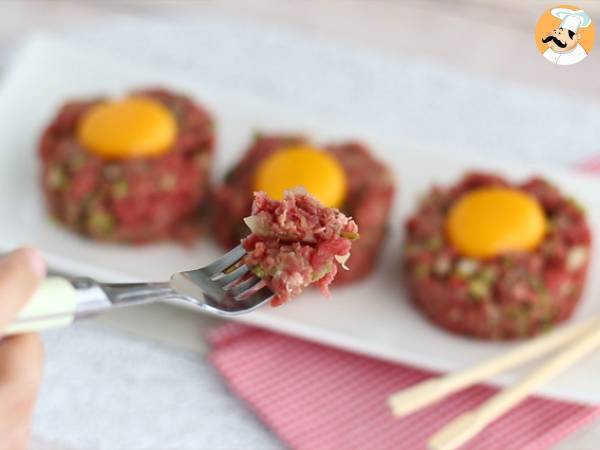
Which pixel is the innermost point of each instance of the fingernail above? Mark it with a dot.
(36, 262)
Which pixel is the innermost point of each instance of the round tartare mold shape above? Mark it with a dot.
(131, 200)
(511, 295)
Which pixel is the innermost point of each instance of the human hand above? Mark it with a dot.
(21, 357)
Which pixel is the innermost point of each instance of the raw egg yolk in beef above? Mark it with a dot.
(315, 170)
(134, 127)
(488, 222)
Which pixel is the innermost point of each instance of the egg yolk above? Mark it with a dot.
(315, 170)
(130, 128)
(491, 221)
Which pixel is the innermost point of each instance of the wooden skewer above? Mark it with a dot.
(471, 423)
(423, 394)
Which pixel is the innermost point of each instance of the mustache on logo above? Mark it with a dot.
(556, 41)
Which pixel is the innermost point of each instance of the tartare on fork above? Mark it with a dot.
(296, 242)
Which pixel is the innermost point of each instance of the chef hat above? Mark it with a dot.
(572, 20)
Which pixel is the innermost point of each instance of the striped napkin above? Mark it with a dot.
(315, 397)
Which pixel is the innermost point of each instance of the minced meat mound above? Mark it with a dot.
(140, 200)
(511, 295)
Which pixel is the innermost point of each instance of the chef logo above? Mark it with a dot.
(565, 35)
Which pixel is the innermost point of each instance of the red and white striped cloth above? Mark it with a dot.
(315, 397)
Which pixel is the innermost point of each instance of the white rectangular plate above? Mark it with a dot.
(371, 317)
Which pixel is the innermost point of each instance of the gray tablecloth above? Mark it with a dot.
(107, 390)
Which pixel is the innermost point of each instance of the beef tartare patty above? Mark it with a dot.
(345, 176)
(296, 242)
(497, 260)
(131, 170)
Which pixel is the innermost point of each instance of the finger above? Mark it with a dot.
(21, 364)
(18, 438)
(20, 274)
(21, 361)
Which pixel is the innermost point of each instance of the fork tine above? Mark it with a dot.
(244, 286)
(228, 259)
(238, 307)
(207, 287)
(232, 276)
(257, 298)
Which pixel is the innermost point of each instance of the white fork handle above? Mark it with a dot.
(430, 391)
(471, 423)
(53, 305)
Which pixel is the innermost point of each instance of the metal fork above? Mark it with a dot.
(226, 287)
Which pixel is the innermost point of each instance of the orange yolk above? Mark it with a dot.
(315, 170)
(130, 128)
(491, 221)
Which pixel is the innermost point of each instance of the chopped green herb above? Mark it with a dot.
(537, 284)
(120, 189)
(259, 271)
(576, 204)
(101, 222)
(517, 313)
(421, 270)
(350, 235)
(546, 325)
(521, 321)
(508, 261)
(478, 288)
(434, 243)
(488, 274)
(321, 273)
(77, 161)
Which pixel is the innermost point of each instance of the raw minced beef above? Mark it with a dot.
(511, 295)
(137, 200)
(296, 242)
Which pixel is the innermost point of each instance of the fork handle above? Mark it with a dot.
(57, 302)
(53, 305)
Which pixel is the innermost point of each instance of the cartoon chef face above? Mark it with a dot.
(564, 42)
(561, 40)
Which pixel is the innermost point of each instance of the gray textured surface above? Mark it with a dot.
(107, 390)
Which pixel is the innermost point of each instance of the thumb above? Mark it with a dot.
(20, 274)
